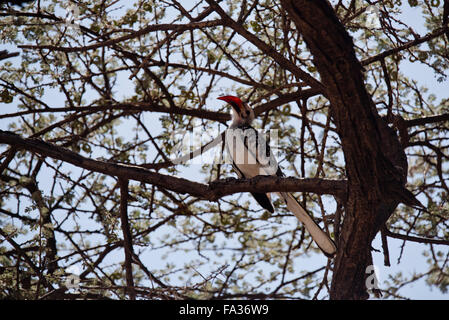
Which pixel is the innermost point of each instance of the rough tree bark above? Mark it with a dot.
(376, 164)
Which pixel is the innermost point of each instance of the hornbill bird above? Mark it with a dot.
(251, 156)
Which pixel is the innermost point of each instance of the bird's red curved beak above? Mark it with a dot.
(235, 102)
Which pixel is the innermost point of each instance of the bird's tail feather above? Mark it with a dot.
(320, 237)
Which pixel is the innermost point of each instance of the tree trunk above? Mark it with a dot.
(376, 164)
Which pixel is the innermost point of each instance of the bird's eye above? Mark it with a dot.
(247, 112)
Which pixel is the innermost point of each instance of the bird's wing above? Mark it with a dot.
(248, 158)
(250, 152)
(262, 199)
(252, 156)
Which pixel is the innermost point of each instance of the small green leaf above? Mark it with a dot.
(86, 148)
(422, 55)
(148, 7)
(211, 56)
(265, 215)
(311, 69)
(255, 26)
(6, 97)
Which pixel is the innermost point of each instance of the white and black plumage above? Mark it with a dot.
(251, 156)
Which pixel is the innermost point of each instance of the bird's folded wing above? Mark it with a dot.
(250, 152)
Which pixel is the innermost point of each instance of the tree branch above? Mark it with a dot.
(135, 34)
(4, 54)
(427, 120)
(127, 238)
(415, 239)
(27, 259)
(154, 107)
(211, 192)
(435, 34)
(266, 48)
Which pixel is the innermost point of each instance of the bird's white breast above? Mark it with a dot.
(248, 150)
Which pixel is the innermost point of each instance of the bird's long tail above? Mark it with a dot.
(320, 237)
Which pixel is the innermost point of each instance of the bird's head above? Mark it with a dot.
(241, 113)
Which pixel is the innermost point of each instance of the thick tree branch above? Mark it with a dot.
(154, 107)
(211, 192)
(130, 107)
(427, 120)
(4, 54)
